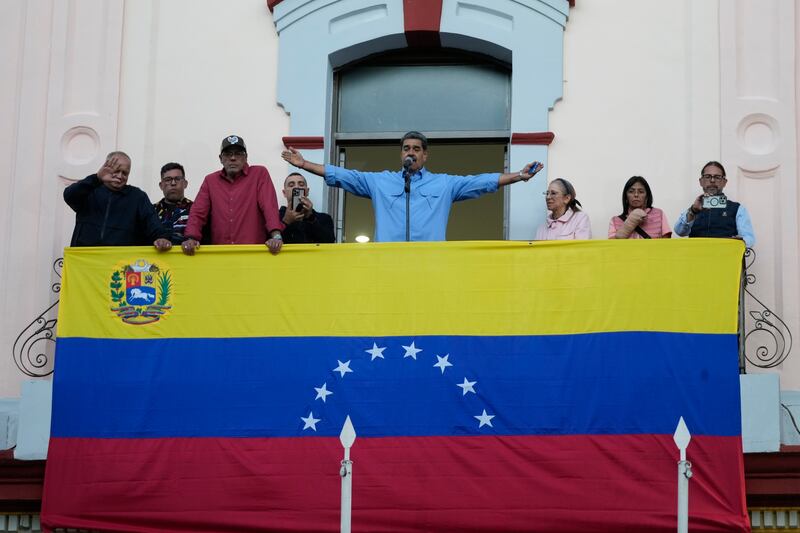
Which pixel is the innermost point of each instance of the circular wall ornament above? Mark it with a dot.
(79, 145)
(758, 134)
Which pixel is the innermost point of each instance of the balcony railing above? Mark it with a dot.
(765, 340)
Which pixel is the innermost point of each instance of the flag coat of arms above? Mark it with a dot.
(494, 386)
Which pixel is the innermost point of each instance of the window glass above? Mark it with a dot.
(424, 98)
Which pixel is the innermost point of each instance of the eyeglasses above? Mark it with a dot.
(548, 194)
(234, 153)
(172, 181)
(712, 177)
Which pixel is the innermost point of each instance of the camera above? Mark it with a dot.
(715, 202)
(297, 194)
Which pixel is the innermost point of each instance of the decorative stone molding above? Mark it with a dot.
(759, 145)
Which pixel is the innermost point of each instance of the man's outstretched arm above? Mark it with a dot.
(529, 171)
(295, 158)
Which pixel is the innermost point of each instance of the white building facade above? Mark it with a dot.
(599, 91)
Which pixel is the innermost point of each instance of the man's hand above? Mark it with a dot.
(106, 172)
(274, 244)
(695, 208)
(306, 212)
(293, 157)
(291, 216)
(637, 216)
(162, 244)
(307, 207)
(189, 246)
(530, 170)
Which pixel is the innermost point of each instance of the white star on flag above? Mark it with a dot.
(411, 351)
(467, 386)
(311, 422)
(443, 362)
(376, 352)
(343, 368)
(484, 419)
(323, 392)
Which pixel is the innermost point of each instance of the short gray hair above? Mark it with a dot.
(118, 152)
(415, 135)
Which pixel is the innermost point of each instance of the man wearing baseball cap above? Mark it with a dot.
(238, 203)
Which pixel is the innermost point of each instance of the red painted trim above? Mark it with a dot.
(20, 484)
(421, 21)
(773, 479)
(307, 143)
(542, 137)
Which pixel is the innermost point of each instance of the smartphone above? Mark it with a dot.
(719, 201)
(297, 194)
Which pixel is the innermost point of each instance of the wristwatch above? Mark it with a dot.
(277, 236)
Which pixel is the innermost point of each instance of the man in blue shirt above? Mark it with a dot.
(730, 221)
(430, 197)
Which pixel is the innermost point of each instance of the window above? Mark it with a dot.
(460, 102)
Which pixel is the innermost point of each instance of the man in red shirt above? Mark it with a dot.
(239, 203)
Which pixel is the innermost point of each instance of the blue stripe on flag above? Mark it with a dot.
(600, 383)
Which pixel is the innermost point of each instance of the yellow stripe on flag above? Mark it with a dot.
(453, 288)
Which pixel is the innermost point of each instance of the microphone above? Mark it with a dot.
(407, 162)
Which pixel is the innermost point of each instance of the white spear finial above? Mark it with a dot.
(347, 437)
(682, 437)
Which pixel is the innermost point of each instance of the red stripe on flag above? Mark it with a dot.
(599, 483)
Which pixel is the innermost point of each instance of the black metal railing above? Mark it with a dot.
(765, 340)
(34, 345)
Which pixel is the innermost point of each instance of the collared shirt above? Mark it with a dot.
(174, 217)
(656, 225)
(242, 211)
(432, 195)
(571, 225)
(743, 226)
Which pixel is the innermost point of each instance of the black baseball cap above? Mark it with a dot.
(232, 140)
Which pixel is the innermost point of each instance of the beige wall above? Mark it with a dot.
(648, 90)
(193, 72)
(640, 98)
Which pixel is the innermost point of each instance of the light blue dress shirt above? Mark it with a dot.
(431, 198)
(743, 226)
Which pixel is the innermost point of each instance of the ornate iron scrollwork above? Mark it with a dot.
(765, 338)
(30, 348)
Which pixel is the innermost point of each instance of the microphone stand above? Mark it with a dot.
(407, 176)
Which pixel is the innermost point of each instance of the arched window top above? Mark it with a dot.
(445, 92)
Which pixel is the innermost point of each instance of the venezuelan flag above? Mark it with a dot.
(494, 386)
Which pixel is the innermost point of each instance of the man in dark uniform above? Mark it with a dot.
(173, 209)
